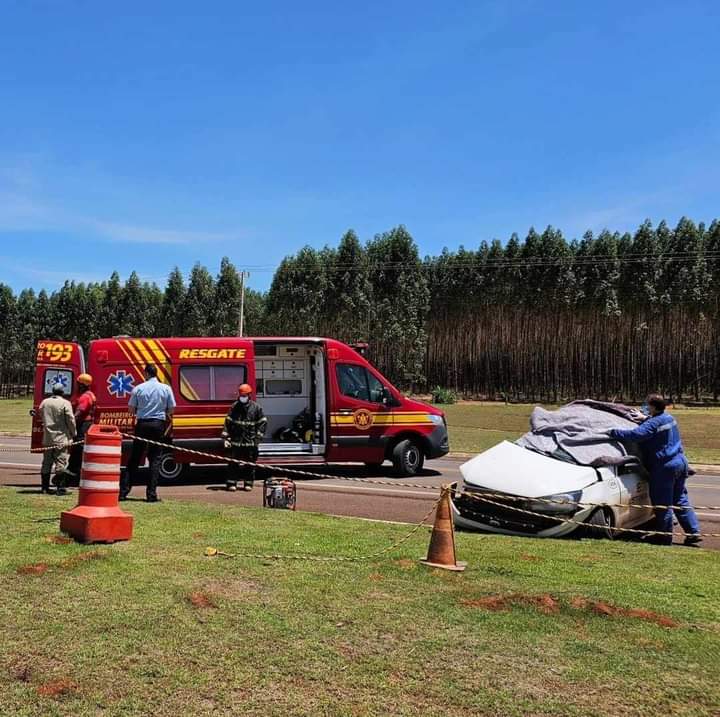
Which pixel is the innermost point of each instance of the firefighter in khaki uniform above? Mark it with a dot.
(59, 430)
(245, 426)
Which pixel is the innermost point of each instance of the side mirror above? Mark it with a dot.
(387, 398)
(31, 412)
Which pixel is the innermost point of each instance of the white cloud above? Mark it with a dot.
(18, 211)
(624, 215)
(25, 206)
(22, 212)
(151, 235)
(50, 277)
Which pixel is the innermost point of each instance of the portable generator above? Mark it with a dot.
(279, 493)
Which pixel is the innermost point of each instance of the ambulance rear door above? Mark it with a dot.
(56, 362)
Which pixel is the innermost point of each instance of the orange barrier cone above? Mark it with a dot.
(97, 518)
(441, 552)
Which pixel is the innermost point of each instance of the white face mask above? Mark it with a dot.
(244, 399)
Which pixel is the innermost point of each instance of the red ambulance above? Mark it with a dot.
(325, 402)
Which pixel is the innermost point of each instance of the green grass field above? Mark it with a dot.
(14, 416)
(532, 627)
(477, 426)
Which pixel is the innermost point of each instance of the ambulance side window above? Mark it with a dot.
(226, 380)
(375, 387)
(55, 375)
(211, 383)
(353, 381)
(357, 382)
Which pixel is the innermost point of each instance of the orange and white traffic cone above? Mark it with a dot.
(441, 551)
(97, 518)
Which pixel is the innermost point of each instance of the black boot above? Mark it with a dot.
(44, 482)
(60, 482)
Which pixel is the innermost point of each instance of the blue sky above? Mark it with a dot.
(145, 135)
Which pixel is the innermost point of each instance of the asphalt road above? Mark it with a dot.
(334, 496)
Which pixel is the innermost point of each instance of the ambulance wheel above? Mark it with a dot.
(407, 458)
(600, 525)
(170, 469)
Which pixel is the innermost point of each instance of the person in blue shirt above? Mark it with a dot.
(659, 440)
(152, 403)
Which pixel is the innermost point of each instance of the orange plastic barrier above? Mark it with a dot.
(97, 518)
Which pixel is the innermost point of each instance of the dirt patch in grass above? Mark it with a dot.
(59, 539)
(545, 603)
(201, 600)
(68, 563)
(599, 607)
(529, 558)
(405, 563)
(22, 672)
(230, 589)
(57, 688)
(649, 615)
(198, 536)
(548, 605)
(75, 560)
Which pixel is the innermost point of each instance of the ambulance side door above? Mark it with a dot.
(359, 420)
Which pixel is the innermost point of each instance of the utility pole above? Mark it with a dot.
(241, 323)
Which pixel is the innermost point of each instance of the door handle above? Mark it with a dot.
(345, 412)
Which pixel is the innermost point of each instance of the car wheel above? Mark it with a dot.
(600, 524)
(407, 458)
(170, 469)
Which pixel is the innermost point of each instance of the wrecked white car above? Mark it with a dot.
(533, 486)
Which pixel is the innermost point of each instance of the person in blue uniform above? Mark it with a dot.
(152, 403)
(659, 440)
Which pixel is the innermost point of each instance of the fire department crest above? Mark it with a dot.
(363, 419)
(120, 384)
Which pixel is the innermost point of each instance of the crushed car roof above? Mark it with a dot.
(510, 468)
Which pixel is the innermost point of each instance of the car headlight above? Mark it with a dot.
(437, 420)
(558, 503)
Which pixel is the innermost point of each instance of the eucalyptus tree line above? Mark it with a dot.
(377, 293)
(612, 315)
(81, 312)
(541, 318)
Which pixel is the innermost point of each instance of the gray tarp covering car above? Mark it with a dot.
(566, 458)
(579, 430)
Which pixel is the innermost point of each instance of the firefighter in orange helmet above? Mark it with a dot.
(245, 426)
(84, 408)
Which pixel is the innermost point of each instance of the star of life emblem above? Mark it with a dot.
(120, 384)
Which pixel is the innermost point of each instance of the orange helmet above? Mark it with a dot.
(244, 389)
(85, 379)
